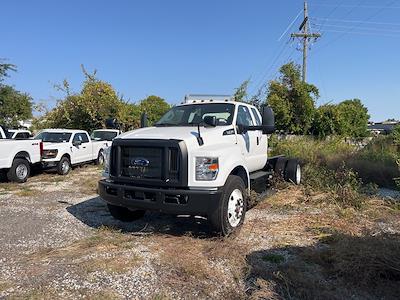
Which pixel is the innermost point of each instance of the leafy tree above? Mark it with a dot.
(353, 118)
(14, 106)
(396, 135)
(240, 94)
(326, 121)
(292, 100)
(155, 107)
(4, 68)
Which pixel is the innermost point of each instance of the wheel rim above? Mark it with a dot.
(65, 167)
(235, 207)
(298, 174)
(21, 171)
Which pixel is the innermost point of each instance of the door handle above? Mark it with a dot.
(258, 141)
(84, 147)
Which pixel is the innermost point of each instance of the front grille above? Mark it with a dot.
(149, 162)
(141, 162)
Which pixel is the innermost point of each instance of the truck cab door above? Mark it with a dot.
(82, 152)
(261, 147)
(247, 140)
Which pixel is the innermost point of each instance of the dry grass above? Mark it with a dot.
(4, 285)
(203, 264)
(36, 293)
(107, 251)
(338, 267)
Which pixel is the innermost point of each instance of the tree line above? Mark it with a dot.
(294, 104)
(293, 101)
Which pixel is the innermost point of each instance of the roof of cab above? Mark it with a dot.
(63, 130)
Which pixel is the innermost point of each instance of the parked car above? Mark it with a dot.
(18, 156)
(64, 148)
(201, 158)
(105, 134)
(19, 134)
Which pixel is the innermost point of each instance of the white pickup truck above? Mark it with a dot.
(105, 135)
(201, 158)
(63, 148)
(17, 156)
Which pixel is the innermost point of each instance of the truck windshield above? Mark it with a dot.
(54, 137)
(104, 135)
(193, 114)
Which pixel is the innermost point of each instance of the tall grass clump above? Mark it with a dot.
(376, 163)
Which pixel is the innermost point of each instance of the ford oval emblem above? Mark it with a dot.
(140, 162)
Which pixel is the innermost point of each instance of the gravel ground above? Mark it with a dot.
(58, 240)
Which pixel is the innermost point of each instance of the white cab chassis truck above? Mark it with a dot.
(18, 156)
(63, 148)
(201, 158)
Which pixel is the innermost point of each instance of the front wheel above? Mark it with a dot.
(232, 207)
(19, 171)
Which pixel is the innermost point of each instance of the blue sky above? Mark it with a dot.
(171, 48)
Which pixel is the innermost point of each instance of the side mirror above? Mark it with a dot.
(143, 120)
(76, 143)
(210, 121)
(268, 120)
(112, 123)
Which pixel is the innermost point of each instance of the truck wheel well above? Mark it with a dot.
(241, 172)
(23, 155)
(67, 156)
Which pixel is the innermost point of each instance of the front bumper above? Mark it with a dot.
(173, 201)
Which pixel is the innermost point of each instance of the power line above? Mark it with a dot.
(356, 6)
(355, 21)
(363, 33)
(362, 28)
(290, 25)
(355, 27)
(332, 11)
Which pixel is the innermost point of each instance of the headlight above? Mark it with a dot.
(49, 153)
(107, 153)
(206, 168)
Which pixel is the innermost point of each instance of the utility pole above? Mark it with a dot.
(305, 36)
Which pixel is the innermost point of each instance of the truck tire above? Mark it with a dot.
(232, 206)
(64, 166)
(19, 171)
(124, 214)
(100, 158)
(280, 166)
(293, 171)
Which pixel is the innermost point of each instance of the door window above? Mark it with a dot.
(82, 137)
(244, 117)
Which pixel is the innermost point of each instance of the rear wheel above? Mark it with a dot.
(100, 158)
(293, 171)
(64, 166)
(19, 171)
(124, 214)
(280, 166)
(232, 207)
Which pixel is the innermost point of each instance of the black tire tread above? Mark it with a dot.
(11, 174)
